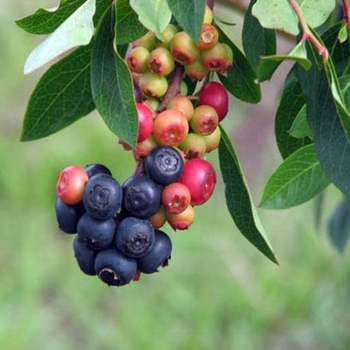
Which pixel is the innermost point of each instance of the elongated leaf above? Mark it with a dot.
(298, 179)
(155, 16)
(238, 199)
(62, 96)
(111, 84)
(77, 30)
(269, 64)
(128, 27)
(292, 101)
(278, 14)
(240, 80)
(338, 225)
(189, 15)
(46, 21)
(257, 41)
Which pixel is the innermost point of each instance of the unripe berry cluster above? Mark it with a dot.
(119, 227)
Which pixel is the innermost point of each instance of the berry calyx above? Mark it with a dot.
(70, 184)
(102, 196)
(200, 178)
(164, 165)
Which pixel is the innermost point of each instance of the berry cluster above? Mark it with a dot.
(118, 226)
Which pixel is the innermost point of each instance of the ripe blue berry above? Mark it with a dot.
(85, 257)
(114, 268)
(134, 237)
(159, 254)
(102, 196)
(96, 234)
(96, 168)
(68, 215)
(164, 165)
(141, 197)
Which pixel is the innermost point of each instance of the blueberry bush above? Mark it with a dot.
(91, 49)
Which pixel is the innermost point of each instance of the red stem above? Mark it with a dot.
(174, 87)
(346, 9)
(307, 35)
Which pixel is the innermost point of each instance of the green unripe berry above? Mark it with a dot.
(152, 85)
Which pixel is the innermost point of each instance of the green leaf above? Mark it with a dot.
(189, 14)
(257, 41)
(338, 225)
(278, 14)
(76, 30)
(291, 103)
(128, 27)
(300, 127)
(240, 80)
(46, 21)
(238, 199)
(62, 96)
(298, 179)
(155, 16)
(112, 86)
(331, 142)
(269, 64)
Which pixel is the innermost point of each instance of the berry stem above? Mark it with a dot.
(346, 9)
(307, 34)
(210, 3)
(140, 167)
(174, 87)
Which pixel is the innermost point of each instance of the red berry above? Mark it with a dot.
(71, 183)
(145, 115)
(176, 197)
(200, 178)
(170, 127)
(215, 95)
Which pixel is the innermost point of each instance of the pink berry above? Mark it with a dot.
(145, 116)
(176, 197)
(181, 221)
(200, 178)
(71, 183)
(215, 95)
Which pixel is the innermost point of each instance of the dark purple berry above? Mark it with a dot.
(114, 268)
(96, 168)
(102, 196)
(96, 234)
(158, 255)
(85, 257)
(68, 215)
(164, 165)
(141, 197)
(134, 237)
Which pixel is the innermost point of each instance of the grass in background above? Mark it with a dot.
(218, 291)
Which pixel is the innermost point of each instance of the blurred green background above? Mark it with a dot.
(219, 292)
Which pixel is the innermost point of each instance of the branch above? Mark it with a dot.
(307, 35)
